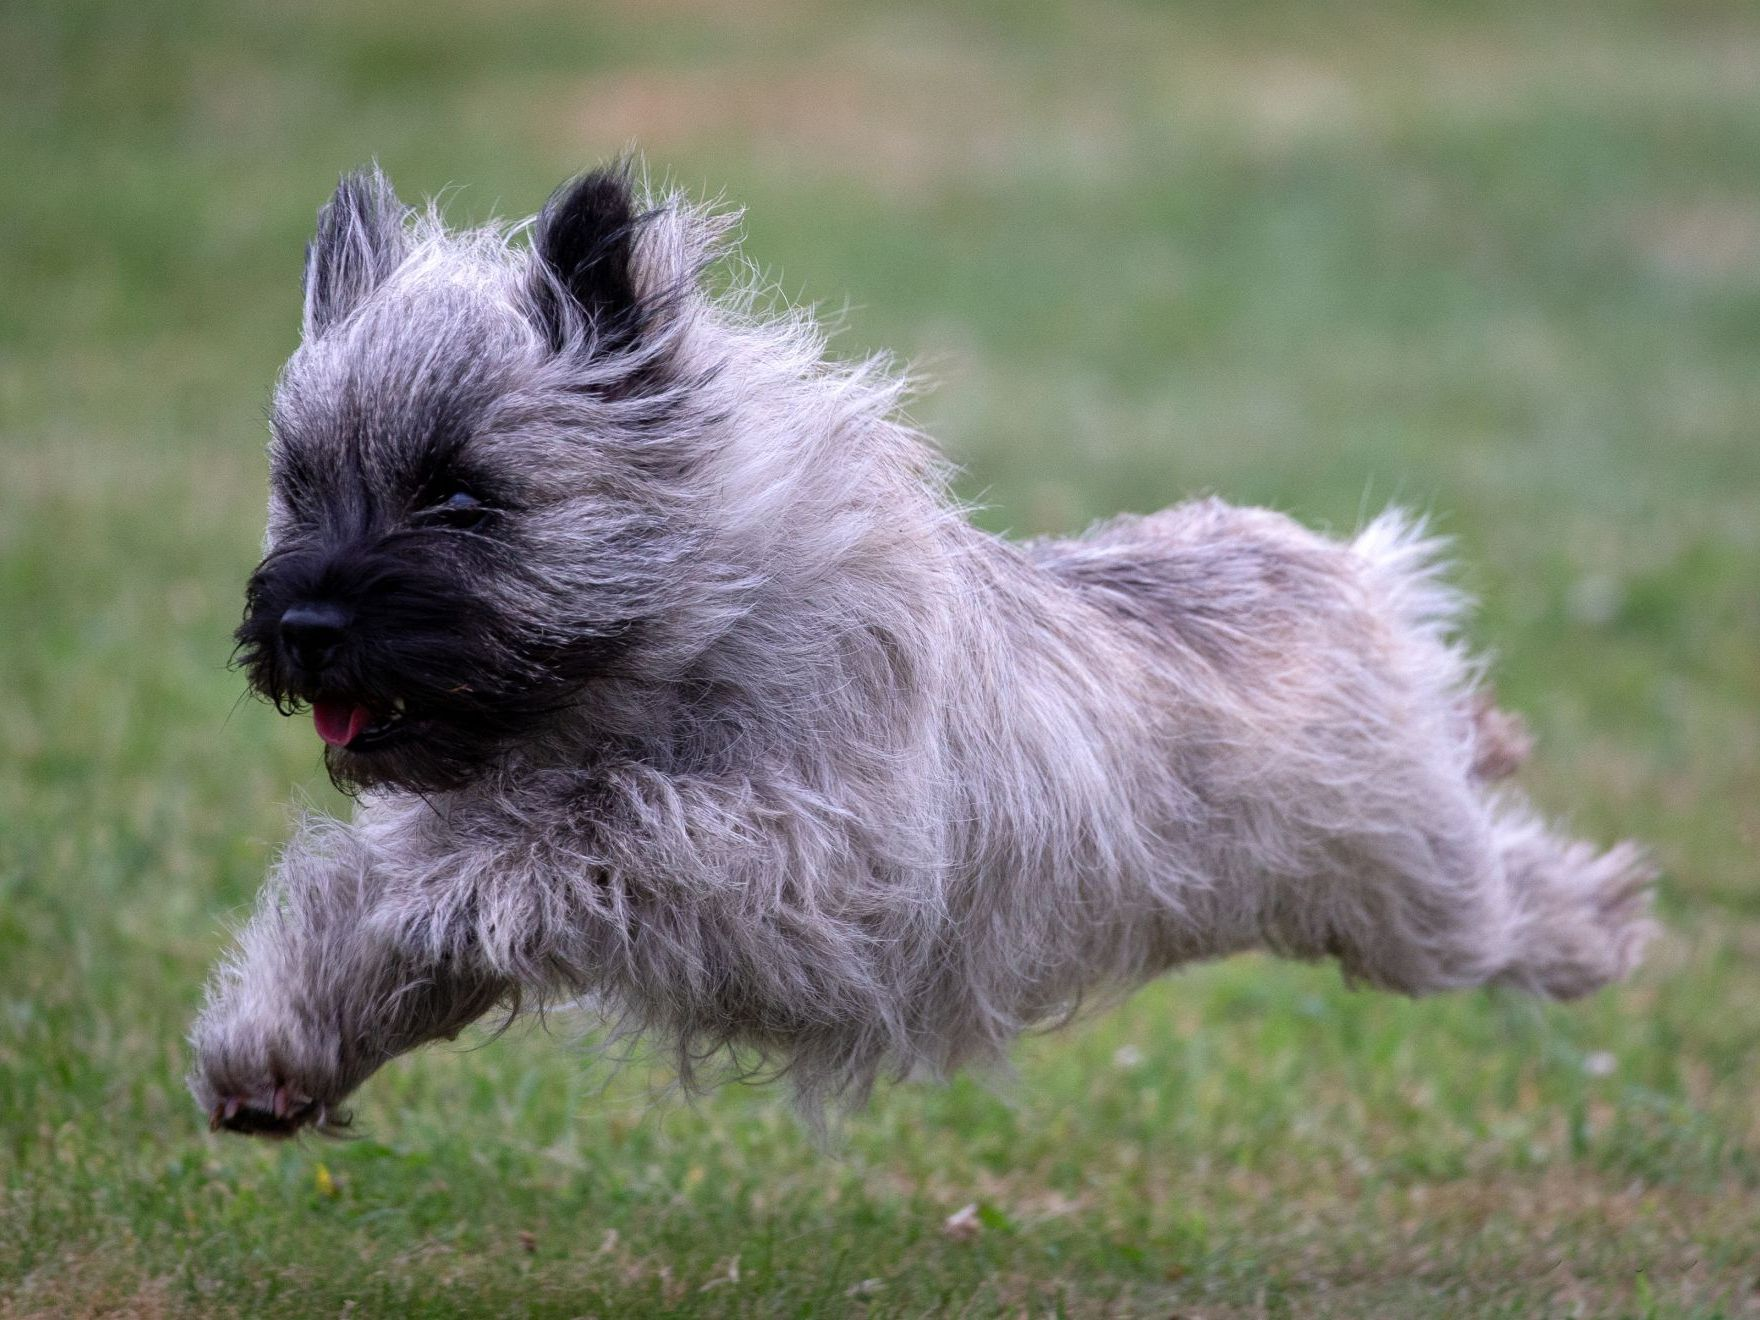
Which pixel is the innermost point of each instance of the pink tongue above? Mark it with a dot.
(339, 722)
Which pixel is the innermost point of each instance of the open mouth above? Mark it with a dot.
(344, 722)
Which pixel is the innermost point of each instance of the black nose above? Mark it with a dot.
(311, 633)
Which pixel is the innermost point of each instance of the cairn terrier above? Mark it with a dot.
(669, 675)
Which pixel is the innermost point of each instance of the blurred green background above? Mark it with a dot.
(1497, 261)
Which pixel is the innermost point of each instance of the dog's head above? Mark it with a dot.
(475, 490)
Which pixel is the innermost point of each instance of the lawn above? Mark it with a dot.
(1500, 262)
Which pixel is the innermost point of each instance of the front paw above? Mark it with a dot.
(265, 1079)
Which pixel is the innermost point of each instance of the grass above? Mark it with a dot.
(1501, 262)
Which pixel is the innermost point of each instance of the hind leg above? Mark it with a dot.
(1411, 896)
(1350, 751)
(1434, 883)
(1518, 906)
(1475, 888)
(1582, 916)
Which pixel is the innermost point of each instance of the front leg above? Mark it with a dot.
(319, 993)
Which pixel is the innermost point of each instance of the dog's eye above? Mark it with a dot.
(459, 509)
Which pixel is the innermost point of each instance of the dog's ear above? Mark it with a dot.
(361, 239)
(585, 286)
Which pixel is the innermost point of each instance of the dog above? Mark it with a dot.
(670, 676)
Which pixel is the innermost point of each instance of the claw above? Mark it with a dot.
(222, 1114)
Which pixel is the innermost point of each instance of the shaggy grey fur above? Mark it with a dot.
(823, 778)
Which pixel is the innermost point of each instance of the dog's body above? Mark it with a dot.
(674, 678)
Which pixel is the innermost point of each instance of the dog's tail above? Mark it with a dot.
(1582, 916)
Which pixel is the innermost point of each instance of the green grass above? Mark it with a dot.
(1501, 262)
